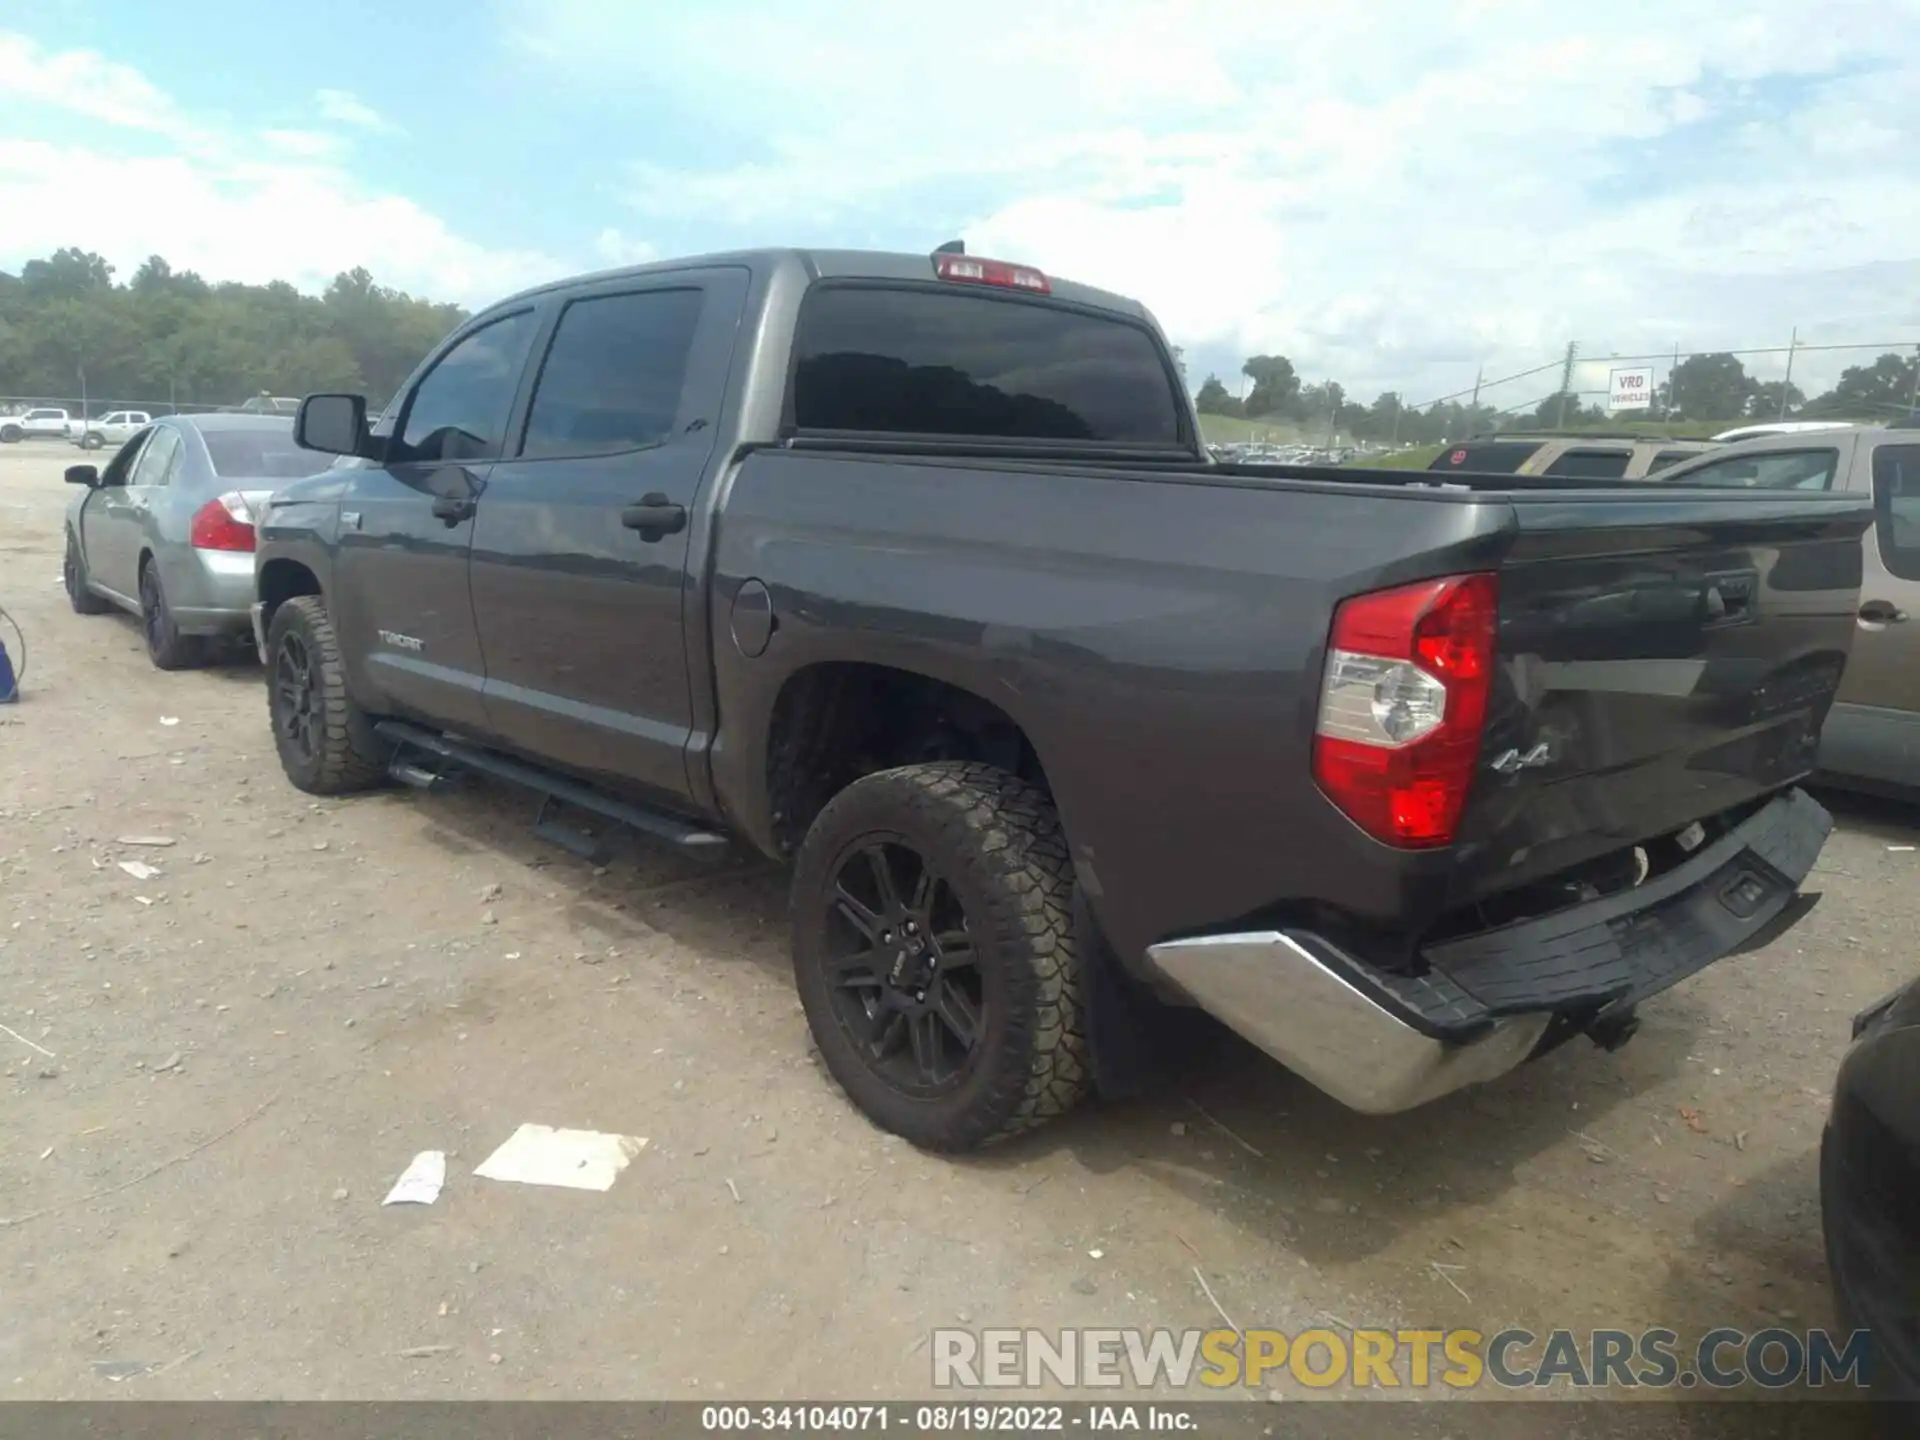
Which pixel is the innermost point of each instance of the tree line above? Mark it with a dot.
(1705, 387)
(166, 336)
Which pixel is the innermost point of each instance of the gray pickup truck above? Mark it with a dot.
(912, 570)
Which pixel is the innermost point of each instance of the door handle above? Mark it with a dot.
(1881, 612)
(452, 508)
(655, 517)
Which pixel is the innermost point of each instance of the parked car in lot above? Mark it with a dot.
(912, 570)
(116, 427)
(43, 422)
(1872, 739)
(166, 530)
(1870, 1190)
(1572, 456)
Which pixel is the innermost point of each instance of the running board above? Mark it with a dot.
(672, 830)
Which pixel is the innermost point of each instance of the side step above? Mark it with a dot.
(680, 834)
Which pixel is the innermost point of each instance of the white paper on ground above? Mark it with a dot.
(575, 1159)
(139, 869)
(420, 1182)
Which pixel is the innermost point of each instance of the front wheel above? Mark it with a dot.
(326, 742)
(934, 953)
(74, 573)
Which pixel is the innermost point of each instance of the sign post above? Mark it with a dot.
(1630, 389)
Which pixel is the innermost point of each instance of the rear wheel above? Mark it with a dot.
(74, 572)
(326, 742)
(934, 953)
(166, 646)
(9, 434)
(91, 441)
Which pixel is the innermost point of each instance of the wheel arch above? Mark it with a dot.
(281, 579)
(833, 721)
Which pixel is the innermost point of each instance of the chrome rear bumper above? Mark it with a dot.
(1284, 1000)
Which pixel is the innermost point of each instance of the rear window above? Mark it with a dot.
(1590, 464)
(935, 362)
(1769, 470)
(1670, 457)
(1487, 457)
(259, 455)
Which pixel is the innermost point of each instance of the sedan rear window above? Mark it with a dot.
(909, 361)
(259, 455)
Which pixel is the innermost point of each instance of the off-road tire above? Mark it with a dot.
(346, 755)
(997, 841)
(74, 572)
(167, 648)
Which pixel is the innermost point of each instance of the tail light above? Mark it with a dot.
(969, 270)
(1402, 705)
(222, 524)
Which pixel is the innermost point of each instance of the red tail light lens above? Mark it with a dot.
(222, 524)
(1403, 702)
(968, 270)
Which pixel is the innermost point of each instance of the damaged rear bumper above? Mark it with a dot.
(1380, 1042)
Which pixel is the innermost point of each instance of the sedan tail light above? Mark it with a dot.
(223, 524)
(1403, 701)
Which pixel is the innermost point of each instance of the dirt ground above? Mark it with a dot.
(215, 1074)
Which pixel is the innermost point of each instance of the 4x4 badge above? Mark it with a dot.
(1515, 761)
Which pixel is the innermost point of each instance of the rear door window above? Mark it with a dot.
(159, 460)
(1487, 457)
(1896, 502)
(1590, 464)
(613, 375)
(1669, 457)
(913, 361)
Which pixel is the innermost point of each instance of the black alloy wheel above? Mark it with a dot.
(902, 968)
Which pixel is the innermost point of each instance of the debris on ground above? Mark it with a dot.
(420, 1182)
(425, 1352)
(169, 719)
(1900, 849)
(1694, 1121)
(571, 1159)
(157, 842)
(140, 870)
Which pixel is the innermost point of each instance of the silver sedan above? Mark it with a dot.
(166, 530)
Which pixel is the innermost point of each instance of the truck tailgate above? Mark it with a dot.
(1662, 660)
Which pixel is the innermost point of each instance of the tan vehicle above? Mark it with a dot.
(1572, 456)
(1872, 738)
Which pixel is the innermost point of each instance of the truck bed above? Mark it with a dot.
(1158, 630)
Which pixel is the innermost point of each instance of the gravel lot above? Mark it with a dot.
(219, 1071)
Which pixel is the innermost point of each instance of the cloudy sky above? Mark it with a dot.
(1394, 193)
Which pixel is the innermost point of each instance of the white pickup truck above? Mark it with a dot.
(116, 427)
(43, 422)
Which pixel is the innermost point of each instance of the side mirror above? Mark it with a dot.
(332, 424)
(86, 475)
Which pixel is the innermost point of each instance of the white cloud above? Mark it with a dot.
(233, 206)
(1391, 194)
(87, 84)
(343, 107)
(615, 248)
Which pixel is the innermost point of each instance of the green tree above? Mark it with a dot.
(1276, 388)
(1215, 399)
(1869, 392)
(1709, 387)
